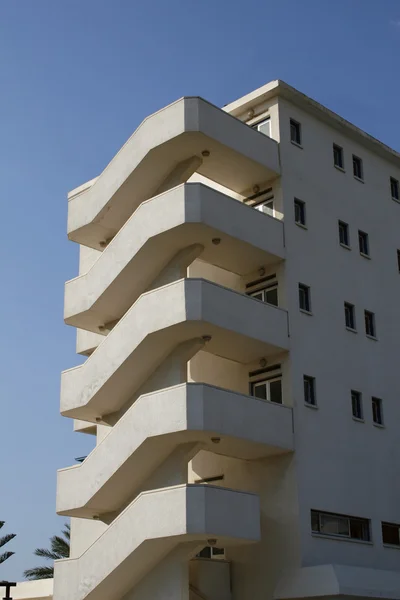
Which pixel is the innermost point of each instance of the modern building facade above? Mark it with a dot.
(237, 302)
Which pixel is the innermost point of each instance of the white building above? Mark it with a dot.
(241, 376)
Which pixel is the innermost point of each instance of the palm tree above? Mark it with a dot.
(59, 549)
(3, 542)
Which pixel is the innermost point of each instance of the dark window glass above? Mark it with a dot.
(357, 167)
(363, 242)
(309, 390)
(395, 188)
(370, 323)
(304, 297)
(299, 211)
(344, 237)
(349, 315)
(390, 534)
(377, 411)
(356, 404)
(338, 159)
(398, 260)
(275, 390)
(295, 132)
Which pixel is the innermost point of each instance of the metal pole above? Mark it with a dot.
(8, 585)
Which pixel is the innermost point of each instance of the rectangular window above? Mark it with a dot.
(358, 167)
(395, 188)
(268, 294)
(264, 127)
(338, 158)
(370, 328)
(268, 389)
(363, 242)
(377, 411)
(398, 260)
(295, 132)
(391, 534)
(309, 390)
(340, 526)
(344, 236)
(349, 316)
(356, 405)
(211, 552)
(299, 212)
(304, 297)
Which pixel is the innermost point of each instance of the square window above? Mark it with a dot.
(358, 167)
(349, 316)
(356, 405)
(344, 235)
(304, 297)
(391, 534)
(309, 390)
(395, 188)
(363, 242)
(377, 411)
(295, 132)
(338, 158)
(264, 127)
(299, 212)
(370, 328)
(270, 389)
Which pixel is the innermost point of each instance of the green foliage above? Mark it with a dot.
(59, 548)
(3, 541)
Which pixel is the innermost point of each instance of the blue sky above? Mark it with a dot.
(76, 78)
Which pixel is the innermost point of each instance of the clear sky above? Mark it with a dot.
(76, 78)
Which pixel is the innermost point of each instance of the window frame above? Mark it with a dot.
(264, 290)
(358, 167)
(300, 206)
(351, 523)
(395, 189)
(398, 260)
(257, 126)
(377, 402)
(357, 409)
(295, 126)
(370, 323)
(338, 151)
(267, 382)
(302, 287)
(363, 238)
(343, 226)
(350, 307)
(393, 526)
(310, 382)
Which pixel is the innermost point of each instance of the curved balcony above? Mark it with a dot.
(155, 233)
(241, 329)
(165, 150)
(154, 426)
(157, 522)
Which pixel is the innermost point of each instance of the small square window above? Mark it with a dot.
(309, 390)
(338, 158)
(295, 132)
(356, 405)
(304, 297)
(391, 534)
(299, 212)
(395, 188)
(370, 328)
(363, 242)
(264, 127)
(358, 167)
(377, 411)
(344, 235)
(349, 316)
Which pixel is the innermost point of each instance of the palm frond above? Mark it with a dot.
(7, 538)
(45, 553)
(39, 573)
(5, 555)
(1, 524)
(67, 531)
(59, 546)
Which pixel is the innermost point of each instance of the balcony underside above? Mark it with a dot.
(154, 426)
(160, 228)
(241, 328)
(239, 158)
(157, 522)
